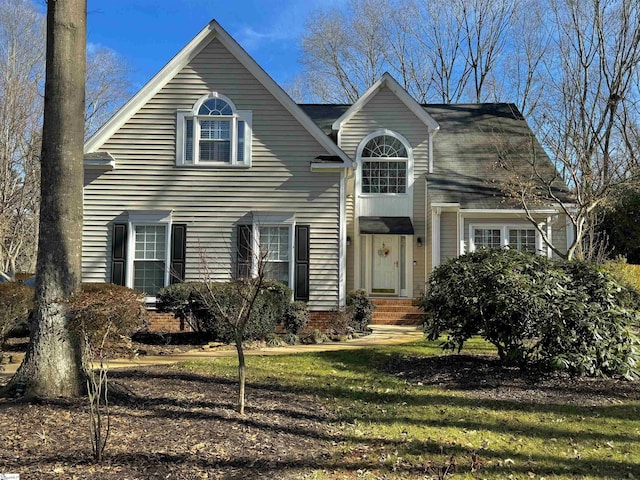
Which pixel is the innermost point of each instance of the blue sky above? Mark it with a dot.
(148, 33)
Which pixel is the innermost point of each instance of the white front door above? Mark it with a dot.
(385, 265)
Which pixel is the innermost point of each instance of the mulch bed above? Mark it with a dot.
(172, 424)
(482, 376)
(169, 424)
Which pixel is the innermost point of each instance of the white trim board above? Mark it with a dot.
(180, 60)
(387, 81)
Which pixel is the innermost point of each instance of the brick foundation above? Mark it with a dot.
(320, 320)
(166, 323)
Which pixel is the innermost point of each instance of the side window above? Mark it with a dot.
(213, 133)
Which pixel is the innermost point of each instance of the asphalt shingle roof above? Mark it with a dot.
(466, 150)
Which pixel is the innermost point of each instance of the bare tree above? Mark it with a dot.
(346, 53)
(53, 366)
(590, 121)
(21, 75)
(233, 303)
(107, 87)
(22, 47)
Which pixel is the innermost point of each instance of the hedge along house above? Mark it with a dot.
(212, 159)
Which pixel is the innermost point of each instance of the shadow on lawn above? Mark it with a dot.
(249, 466)
(259, 419)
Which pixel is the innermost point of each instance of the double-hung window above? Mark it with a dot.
(505, 236)
(487, 237)
(275, 248)
(150, 258)
(213, 133)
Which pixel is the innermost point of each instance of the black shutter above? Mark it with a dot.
(178, 253)
(119, 254)
(243, 258)
(301, 290)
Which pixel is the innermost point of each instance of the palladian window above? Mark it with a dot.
(384, 166)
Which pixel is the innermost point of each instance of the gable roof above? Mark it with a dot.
(179, 61)
(387, 81)
(466, 170)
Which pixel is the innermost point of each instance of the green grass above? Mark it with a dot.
(389, 428)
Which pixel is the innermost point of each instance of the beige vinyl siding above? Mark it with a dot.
(448, 236)
(386, 111)
(213, 201)
(559, 234)
(350, 264)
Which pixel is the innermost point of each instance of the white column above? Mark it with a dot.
(435, 236)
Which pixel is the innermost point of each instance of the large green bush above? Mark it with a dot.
(539, 313)
(16, 300)
(268, 311)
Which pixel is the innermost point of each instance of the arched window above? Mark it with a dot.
(214, 133)
(384, 160)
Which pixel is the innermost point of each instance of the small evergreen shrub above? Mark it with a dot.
(268, 311)
(291, 339)
(16, 301)
(339, 322)
(296, 317)
(360, 309)
(176, 299)
(539, 313)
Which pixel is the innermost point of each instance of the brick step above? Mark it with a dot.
(393, 301)
(396, 321)
(393, 308)
(384, 318)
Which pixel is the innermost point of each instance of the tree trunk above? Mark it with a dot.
(52, 366)
(241, 375)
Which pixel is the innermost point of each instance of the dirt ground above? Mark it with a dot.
(171, 424)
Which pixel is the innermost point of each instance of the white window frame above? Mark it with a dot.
(284, 220)
(408, 159)
(152, 219)
(504, 234)
(237, 115)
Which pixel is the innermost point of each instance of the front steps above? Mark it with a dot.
(396, 311)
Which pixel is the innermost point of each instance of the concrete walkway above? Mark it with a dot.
(382, 335)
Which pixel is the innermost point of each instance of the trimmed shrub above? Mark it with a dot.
(104, 310)
(539, 313)
(296, 317)
(16, 300)
(268, 311)
(361, 310)
(176, 299)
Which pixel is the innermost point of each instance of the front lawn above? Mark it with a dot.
(407, 411)
(390, 412)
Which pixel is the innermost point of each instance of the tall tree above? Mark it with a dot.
(588, 121)
(52, 365)
(21, 74)
(22, 57)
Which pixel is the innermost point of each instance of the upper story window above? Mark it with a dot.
(385, 164)
(213, 133)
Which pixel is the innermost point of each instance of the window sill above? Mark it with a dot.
(384, 195)
(213, 166)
